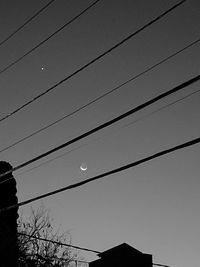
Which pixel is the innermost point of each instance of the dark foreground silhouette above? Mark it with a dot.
(8, 219)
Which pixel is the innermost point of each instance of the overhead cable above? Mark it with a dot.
(111, 133)
(58, 243)
(161, 265)
(76, 247)
(102, 175)
(48, 38)
(106, 124)
(134, 77)
(26, 22)
(93, 60)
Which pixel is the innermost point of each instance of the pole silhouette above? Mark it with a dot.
(8, 219)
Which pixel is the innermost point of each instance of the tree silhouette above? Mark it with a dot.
(34, 252)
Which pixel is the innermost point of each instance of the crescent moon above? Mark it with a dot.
(83, 167)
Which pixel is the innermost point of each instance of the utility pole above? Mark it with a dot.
(8, 219)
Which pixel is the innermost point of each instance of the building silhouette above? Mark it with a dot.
(121, 256)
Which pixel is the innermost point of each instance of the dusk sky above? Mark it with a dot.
(154, 207)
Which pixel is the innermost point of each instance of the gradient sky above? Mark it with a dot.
(153, 207)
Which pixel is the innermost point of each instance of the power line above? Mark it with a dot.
(91, 61)
(106, 124)
(101, 96)
(59, 243)
(102, 175)
(106, 135)
(48, 38)
(26, 22)
(161, 265)
(76, 247)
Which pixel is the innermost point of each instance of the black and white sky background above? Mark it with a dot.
(153, 207)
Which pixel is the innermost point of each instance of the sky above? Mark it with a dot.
(153, 207)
